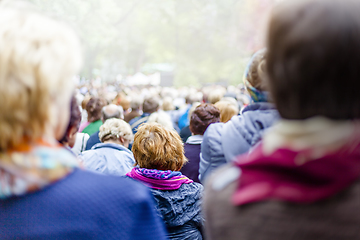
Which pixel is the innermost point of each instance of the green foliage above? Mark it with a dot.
(206, 41)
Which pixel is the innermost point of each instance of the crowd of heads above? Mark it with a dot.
(306, 70)
(157, 147)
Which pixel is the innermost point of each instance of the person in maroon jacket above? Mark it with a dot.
(201, 118)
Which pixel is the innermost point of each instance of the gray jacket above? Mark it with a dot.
(108, 158)
(224, 141)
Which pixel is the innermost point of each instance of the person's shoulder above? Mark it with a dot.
(94, 136)
(87, 154)
(122, 204)
(92, 183)
(194, 186)
(193, 189)
(259, 112)
(212, 135)
(221, 184)
(214, 130)
(134, 120)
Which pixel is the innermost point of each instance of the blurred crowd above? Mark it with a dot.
(276, 157)
(167, 106)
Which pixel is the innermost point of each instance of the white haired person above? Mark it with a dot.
(43, 192)
(112, 155)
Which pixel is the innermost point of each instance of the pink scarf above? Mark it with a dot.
(279, 176)
(158, 179)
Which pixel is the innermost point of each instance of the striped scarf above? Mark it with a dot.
(158, 179)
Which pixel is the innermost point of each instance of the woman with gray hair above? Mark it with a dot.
(112, 155)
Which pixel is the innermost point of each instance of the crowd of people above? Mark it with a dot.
(277, 157)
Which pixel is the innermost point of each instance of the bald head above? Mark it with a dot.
(112, 111)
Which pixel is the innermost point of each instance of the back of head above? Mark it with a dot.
(112, 111)
(113, 129)
(313, 58)
(151, 104)
(227, 110)
(85, 101)
(215, 96)
(122, 100)
(75, 119)
(94, 107)
(136, 103)
(254, 73)
(157, 147)
(162, 118)
(167, 104)
(38, 58)
(202, 117)
(191, 98)
(254, 77)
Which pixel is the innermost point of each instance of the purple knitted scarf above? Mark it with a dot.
(158, 179)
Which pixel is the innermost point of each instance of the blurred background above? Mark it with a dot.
(164, 42)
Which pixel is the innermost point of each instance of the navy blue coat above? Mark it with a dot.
(135, 123)
(94, 139)
(83, 205)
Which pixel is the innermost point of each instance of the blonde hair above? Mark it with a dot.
(167, 104)
(38, 58)
(114, 128)
(85, 101)
(121, 100)
(156, 147)
(256, 70)
(227, 110)
(215, 96)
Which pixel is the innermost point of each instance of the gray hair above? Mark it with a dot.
(115, 128)
(136, 103)
(112, 111)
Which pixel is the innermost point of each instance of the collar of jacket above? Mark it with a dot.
(258, 106)
(195, 139)
(110, 145)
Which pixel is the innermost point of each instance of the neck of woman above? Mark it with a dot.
(113, 141)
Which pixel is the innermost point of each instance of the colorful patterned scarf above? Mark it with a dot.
(158, 179)
(255, 94)
(31, 168)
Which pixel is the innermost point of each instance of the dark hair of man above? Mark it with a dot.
(75, 119)
(313, 58)
(202, 117)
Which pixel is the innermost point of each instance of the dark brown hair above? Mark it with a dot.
(93, 108)
(202, 117)
(313, 58)
(75, 119)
